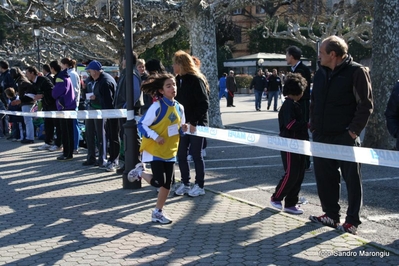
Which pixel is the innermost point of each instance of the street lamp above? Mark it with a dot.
(130, 132)
(260, 62)
(36, 33)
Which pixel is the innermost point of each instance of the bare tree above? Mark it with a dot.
(98, 31)
(359, 22)
(385, 71)
(349, 21)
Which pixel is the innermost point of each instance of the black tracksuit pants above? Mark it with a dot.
(290, 184)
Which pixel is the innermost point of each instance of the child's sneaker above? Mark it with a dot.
(135, 174)
(349, 228)
(160, 217)
(276, 204)
(324, 220)
(293, 210)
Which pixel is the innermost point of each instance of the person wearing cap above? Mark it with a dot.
(104, 87)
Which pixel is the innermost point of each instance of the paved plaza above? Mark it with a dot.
(63, 213)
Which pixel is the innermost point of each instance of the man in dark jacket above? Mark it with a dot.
(104, 87)
(259, 84)
(392, 114)
(231, 86)
(341, 104)
(293, 58)
(274, 88)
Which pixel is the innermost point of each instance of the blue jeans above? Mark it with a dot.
(28, 120)
(195, 144)
(272, 95)
(75, 134)
(258, 99)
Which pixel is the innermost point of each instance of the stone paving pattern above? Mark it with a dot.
(62, 213)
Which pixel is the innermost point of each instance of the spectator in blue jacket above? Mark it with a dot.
(222, 87)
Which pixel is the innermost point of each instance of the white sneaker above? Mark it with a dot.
(135, 174)
(196, 191)
(160, 217)
(182, 189)
(112, 167)
(45, 146)
(55, 148)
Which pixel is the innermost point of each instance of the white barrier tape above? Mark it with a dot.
(85, 114)
(317, 149)
(130, 115)
(339, 152)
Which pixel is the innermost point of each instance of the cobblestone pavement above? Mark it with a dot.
(62, 213)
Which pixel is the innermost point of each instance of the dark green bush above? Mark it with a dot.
(243, 81)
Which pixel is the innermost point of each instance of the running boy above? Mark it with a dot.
(161, 127)
(292, 125)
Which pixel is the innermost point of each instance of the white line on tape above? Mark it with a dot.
(338, 152)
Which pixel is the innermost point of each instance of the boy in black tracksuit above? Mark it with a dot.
(292, 125)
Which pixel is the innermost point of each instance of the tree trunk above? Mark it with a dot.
(202, 30)
(385, 71)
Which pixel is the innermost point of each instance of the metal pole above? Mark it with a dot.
(38, 53)
(317, 56)
(130, 132)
